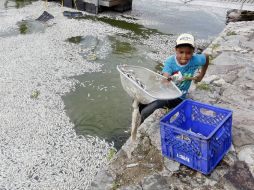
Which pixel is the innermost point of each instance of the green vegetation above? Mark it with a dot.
(115, 185)
(75, 40)
(111, 153)
(35, 94)
(159, 67)
(167, 109)
(231, 33)
(91, 57)
(203, 86)
(215, 46)
(120, 47)
(23, 28)
(211, 58)
(134, 27)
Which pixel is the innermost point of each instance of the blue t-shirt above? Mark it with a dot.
(171, 66)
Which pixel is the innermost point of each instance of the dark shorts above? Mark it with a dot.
(148, 109)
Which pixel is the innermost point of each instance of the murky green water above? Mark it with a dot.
(136, 28)
(102, 107)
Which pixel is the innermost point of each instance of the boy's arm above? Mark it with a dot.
(200, 76)
(167, 77)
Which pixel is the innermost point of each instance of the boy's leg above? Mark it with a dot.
(150, 108)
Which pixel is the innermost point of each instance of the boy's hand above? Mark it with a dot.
(201, 73)
(197, 78)
(166, 80)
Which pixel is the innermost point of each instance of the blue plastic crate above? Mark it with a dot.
(197, 135)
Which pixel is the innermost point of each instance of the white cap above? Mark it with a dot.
(185, 39)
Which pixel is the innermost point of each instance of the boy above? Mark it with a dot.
(182, 65)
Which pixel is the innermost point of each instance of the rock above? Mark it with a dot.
(132, 165)
(242, 136)
(233, 42)
(146, 144)
(210, 79)
(222, 70)
(151, 128)
(236, 96)
(231, 76)
(248, 85)
(155, 181)
(249, 44)
(219, 82)
(235, 15)
(247, 154)
(103, 180)
(248, 73)
(240, 176)
(232, 58)
(171, 165)
(243, 119)
(129, 147)
(215, 95)
(231, 157)
(131, 187)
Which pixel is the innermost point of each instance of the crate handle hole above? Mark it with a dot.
(173, 118)
(183, 137)
(207, 112)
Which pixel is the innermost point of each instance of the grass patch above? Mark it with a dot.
(115, 185)
(120, 47)
(23, 28)
(75, 40)
(167, 109)
(231, 33)
(215, 46)
(111, 153)
(159, 67)
(203, 86)
(211, 58)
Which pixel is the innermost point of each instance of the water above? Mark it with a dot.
(101, 107)
(176, 18)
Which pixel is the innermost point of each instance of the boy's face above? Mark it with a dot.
(184, 54)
